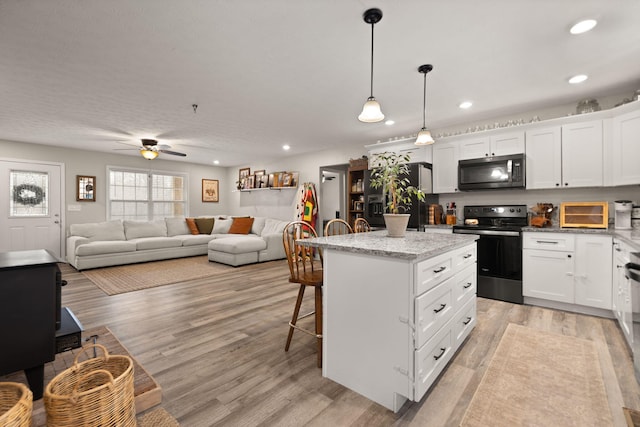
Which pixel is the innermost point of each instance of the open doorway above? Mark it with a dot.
(332, 193)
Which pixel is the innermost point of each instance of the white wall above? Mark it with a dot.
(81, 162)
(330, 200)
(282, 204)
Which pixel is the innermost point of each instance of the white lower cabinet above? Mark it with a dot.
(622, 289)
(445, 315)
(569, 268)
(392, 325)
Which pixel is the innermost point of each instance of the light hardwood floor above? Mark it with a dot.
(216, 347)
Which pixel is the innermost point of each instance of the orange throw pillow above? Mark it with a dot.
(191, 223)
(241, 225)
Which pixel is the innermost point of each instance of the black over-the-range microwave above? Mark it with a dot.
(488, 173)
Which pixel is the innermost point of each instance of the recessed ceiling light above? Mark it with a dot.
(216, 162)
(390, 122)
(583, 26)
(578, 79)
(466, 104)
(285, 147)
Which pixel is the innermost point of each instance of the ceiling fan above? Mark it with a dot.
(151, 149)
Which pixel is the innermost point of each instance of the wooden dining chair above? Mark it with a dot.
(361, 225)
(337, 226)
(305, 268)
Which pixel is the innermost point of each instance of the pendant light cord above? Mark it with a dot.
(424, 103)
(372, 24)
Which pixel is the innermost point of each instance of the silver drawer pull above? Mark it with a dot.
(468, 285)
(442, 351)
(467, 256)
(438, 310)
(440, 270)
(468, 321)
(547, 241)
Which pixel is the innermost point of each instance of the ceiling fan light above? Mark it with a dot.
(149, 154)
(424, 137)
(371, 112)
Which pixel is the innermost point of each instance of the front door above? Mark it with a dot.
(30, 206)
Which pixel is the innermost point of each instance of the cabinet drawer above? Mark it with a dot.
(432, 271)
(431, 359)
(433, 309)
(464, 257)
(464, 322)
(465, 285)
(548, 241)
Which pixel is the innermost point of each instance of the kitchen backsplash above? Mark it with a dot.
(532, 197)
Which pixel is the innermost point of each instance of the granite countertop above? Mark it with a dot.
(632, 237)
(556, 229)
(415, 246)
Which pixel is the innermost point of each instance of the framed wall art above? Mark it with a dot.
(210, 189)
(244, 173)
(85, 188)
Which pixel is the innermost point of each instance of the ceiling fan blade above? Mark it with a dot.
(173, 153)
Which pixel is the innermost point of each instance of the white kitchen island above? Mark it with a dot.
(395, 310)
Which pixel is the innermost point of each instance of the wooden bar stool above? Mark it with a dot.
(337, 226)
(361, 225)
(305, 270)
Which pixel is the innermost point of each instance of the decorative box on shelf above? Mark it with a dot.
(584, 215)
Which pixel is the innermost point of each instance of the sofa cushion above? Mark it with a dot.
(241, 225)
(105, 247)
(221, 225)
(258, 225)
(191, 225)
(273, 226)
(144, 243)
(94, 231)
(238, 244)
(176, 226)
(205, 225)
(138, 229)
(200, 239)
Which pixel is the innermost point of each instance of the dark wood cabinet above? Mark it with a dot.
(355, 191)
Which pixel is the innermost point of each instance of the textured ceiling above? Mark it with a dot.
(98, 74)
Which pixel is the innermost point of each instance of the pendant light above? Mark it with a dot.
(424, 136)
(371, 112)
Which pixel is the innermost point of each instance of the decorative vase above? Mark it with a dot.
(396, 224)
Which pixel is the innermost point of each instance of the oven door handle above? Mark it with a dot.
(632, 271)
(488, 232)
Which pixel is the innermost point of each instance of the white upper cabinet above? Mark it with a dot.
(544, 158)
(489, 146)
(568, 156)
(445, 167)
(626, 149)
(582, 154)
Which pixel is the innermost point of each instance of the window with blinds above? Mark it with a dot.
(145, 195)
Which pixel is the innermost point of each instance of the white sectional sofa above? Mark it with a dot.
(119, 242)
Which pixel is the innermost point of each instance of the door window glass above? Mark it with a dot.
(29, 193)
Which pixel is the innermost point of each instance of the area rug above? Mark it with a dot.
(157, 418)
(134, 277)
(542, 379)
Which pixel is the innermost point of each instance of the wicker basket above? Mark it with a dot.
(16, 403)
(95, 392)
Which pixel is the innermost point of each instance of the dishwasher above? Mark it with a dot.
(632, 271)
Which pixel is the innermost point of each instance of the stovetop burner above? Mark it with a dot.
(495, 217)
(516, 228)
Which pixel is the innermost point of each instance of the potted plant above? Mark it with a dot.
(390, 172)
